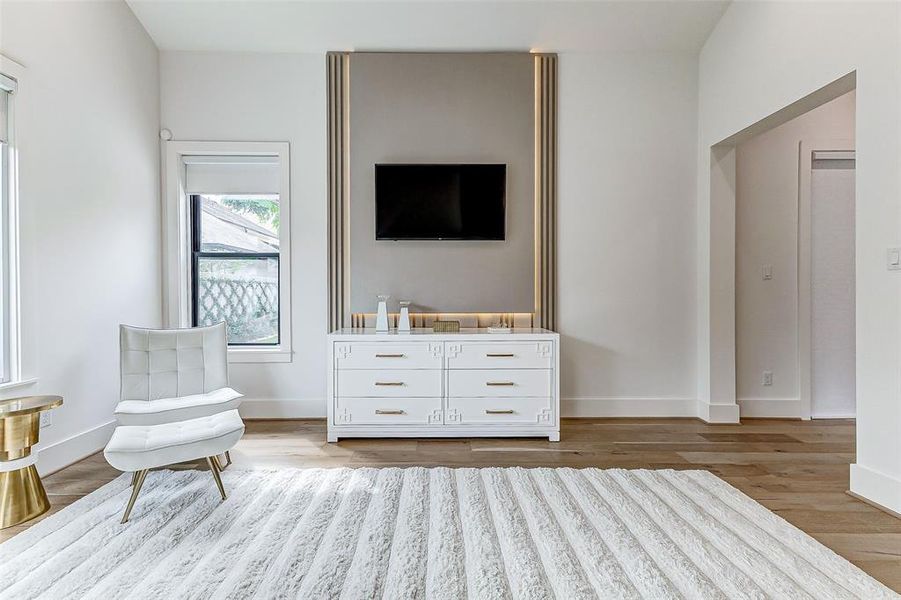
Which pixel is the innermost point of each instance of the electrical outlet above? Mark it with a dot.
(767, 378)
(46, 419)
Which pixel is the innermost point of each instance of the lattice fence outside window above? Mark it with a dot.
(249, 306)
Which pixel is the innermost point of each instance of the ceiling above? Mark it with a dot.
(550, 25)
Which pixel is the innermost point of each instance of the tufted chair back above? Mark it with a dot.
(169, 363)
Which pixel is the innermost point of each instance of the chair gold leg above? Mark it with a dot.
(136, 489)
(214, 469)
(134, 478)
(223, 464)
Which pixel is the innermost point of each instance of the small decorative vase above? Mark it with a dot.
(381, 319)
(403, 325)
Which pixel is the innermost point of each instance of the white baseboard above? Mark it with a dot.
(876, 487)
(628, 407)
(842, 415)
(283, 408)
(55, 456)
(772, 408)
(718, 413)
(271, 408)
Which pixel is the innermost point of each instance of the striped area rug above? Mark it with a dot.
(425, 533)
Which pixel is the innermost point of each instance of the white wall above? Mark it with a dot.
(627, 139)
(626, 214)
(766, 232)
(87, 125)
(279, 98)
(761, 57)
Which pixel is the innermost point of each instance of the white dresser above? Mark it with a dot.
(426, 384)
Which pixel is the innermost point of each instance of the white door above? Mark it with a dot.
(832, 286)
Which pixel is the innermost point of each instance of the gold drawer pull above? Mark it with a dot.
(502, 383)
(498, 411)
(389, 382)
(389, 411)
(389, 355)
(500, 355)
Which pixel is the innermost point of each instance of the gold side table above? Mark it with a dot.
(22, 495)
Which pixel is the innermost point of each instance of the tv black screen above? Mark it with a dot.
(440, 202)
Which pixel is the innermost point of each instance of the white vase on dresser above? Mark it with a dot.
(425, 384)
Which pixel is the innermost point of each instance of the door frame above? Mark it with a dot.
(805, 308)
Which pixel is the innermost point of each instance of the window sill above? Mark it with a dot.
(11, 385)
(259, 355)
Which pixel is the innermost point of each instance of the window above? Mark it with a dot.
(235, 249)
(7, 198)
(227, 222)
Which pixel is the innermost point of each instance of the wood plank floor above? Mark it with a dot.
(797, 469)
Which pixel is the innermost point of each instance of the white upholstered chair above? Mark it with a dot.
(139, 448)
(173, 375)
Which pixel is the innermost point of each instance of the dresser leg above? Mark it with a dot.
(554, 437)
(331, 437)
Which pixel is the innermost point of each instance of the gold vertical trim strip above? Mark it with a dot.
(545, 73)
(538, 95)
(338, 76)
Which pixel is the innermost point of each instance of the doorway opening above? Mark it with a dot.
(792, 184)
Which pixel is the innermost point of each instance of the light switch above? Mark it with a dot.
(767, 272)
(894, 259)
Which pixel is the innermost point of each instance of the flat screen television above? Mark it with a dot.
(440, 202)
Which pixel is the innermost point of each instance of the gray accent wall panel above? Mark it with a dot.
(443, 108)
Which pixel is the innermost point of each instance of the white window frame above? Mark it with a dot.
(10, 236)
(177, 240)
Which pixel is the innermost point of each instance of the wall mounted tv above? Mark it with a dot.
(440, 201)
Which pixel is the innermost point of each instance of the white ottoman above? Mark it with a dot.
(139, 448)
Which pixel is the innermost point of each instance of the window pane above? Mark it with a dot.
(243, 292)
(239, 223)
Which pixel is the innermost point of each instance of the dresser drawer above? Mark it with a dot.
(403, 383)
(502, 383)
(388, 411)
(500, 355)
(525, 411)
(388, 355)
